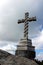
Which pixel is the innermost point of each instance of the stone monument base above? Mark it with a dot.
(26, 49)
(26, 53)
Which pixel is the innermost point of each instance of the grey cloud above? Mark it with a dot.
(11, 12)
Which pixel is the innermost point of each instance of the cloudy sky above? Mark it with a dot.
(11, 32)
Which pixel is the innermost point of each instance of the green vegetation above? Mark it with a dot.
(39, 62)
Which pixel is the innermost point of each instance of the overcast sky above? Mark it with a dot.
(11, 32)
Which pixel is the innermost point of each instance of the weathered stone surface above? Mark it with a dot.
(8, 59)
(4, 54)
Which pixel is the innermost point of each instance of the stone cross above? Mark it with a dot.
(26, 22)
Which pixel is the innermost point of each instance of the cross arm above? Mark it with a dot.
(31, 19)
(21, 21)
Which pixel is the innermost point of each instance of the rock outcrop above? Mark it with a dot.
(8, 59)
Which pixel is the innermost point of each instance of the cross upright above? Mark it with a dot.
(26, 22)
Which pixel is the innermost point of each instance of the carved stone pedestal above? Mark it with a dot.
(25, 49)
